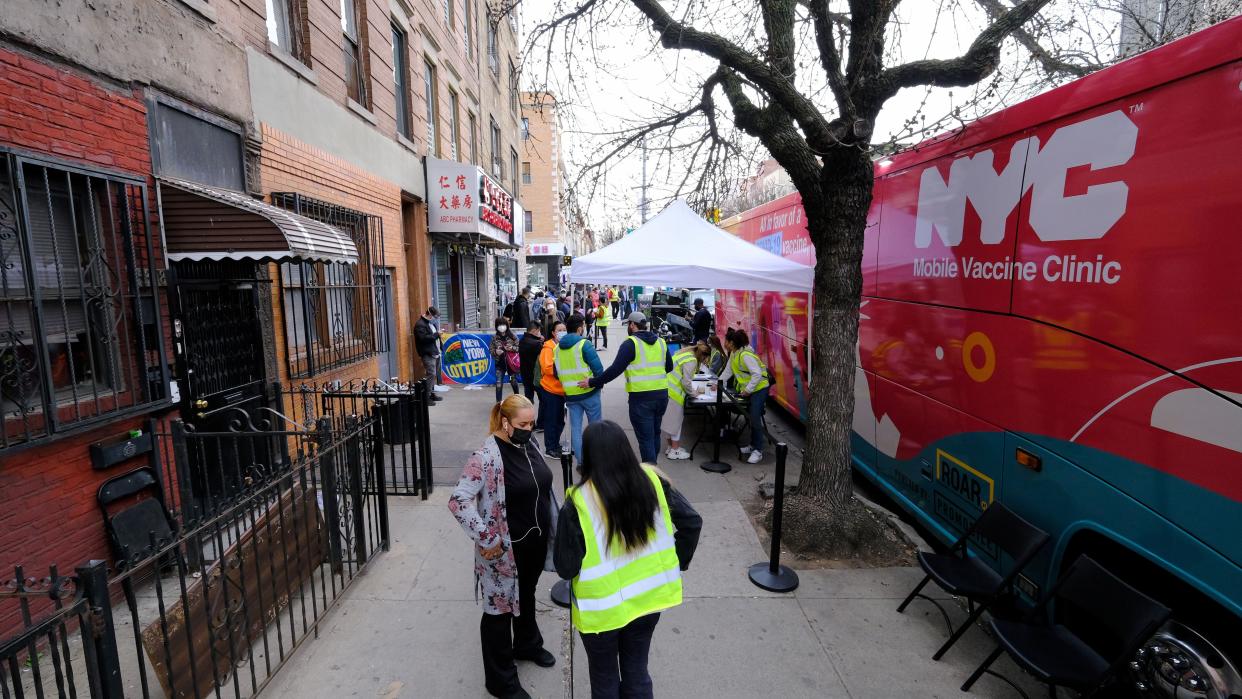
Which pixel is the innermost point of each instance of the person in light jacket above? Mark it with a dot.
(623, 527)
(505, 503)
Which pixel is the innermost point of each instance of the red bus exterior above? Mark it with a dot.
(1063, 278)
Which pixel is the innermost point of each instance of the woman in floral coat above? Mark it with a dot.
(505, 503)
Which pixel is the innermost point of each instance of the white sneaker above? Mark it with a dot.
(441, 388)
(747, 450)
(755, 457)
(677, 454)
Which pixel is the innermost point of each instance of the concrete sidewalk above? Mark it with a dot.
(408, 627)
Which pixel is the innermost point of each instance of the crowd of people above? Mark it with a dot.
(623, 525)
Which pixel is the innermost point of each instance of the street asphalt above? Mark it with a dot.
(408, 626)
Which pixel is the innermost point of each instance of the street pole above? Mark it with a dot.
(642, 206)
(561, 592)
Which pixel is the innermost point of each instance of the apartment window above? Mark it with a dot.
(455, 123)
(468, 28)
(429, 89)
(513, 168)
(329, 307)
(525, 129)
(513, 87)
(355, 66)
(529, 220)
(474, 140)
(282, 25)
(401, 83)
(493, 55)
(497, 170)
(449, 12)
(525, 173)
(80, 336)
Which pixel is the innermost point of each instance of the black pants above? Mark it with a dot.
(617, 660)
(601, 331)
(529, 390)
(505, 635)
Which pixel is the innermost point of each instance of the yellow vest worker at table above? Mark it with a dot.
(686, 363)
(751, 377)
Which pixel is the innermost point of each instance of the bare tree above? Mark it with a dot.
(807, 81)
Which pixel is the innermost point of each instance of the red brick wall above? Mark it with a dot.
(48, 513)
(63, 114)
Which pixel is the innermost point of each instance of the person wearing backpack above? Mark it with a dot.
(623, 527)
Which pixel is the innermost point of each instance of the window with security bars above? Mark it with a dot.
(81, 335)
(329, 308)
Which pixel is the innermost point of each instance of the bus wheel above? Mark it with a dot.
(1178, 663)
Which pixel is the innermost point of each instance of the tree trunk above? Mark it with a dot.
(836, 228)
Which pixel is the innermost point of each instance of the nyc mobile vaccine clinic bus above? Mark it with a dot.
(1052, 319)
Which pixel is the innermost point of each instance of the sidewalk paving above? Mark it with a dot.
(408, 627)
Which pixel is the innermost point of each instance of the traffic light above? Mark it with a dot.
(567, 260)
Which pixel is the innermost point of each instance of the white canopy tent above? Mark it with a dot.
(680, 248)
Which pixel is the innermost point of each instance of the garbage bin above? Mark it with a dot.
(394, 417)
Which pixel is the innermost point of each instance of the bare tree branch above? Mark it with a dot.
(969, 68)
(1050, 63)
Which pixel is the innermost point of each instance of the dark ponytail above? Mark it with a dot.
(625, 492)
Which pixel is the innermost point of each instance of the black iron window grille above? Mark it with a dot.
(81, 336)
(330, 308)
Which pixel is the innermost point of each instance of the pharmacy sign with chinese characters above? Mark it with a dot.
(452, 197)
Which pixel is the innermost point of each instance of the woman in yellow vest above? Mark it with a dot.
(602, 318)
(751, 376)
(624, 535)
(686, 362)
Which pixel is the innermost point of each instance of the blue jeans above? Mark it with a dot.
(645, 416)
(552, 417)
(502, 373)
(758, 400)
(617, 660)
(593, 408)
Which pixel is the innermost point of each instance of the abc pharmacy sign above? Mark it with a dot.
(462, 199)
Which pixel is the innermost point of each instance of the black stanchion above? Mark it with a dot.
(716, 465)
(773, 576)
(560, 590)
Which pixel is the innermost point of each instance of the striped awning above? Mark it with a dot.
(208, 223)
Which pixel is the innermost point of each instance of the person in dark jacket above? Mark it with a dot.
(564, 307)
(620, 496)
(427, 343)
(645, 360)
(529, 348)
(702, 322)
(504, 345)
(521, 309)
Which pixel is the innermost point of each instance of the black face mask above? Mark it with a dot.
(520, 436)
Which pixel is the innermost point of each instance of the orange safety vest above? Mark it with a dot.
(547, 369)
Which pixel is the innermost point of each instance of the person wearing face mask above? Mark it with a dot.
(505, 356)
(427, 342)
(505, 503)
(551, 392)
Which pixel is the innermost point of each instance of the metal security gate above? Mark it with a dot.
(218, 339)
(64, 648)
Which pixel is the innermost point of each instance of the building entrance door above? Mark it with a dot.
(218, 342)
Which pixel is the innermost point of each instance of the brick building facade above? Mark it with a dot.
(219, 103)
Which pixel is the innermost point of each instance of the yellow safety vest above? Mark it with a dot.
(675, 390)
(742, 374)
(572, 367)
(614, 586)
(646, 371)
(605, 316)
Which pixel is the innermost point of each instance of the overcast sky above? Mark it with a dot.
(627, 77)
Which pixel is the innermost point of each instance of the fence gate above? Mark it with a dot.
(65, 647)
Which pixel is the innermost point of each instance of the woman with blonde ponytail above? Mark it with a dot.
(505, 503)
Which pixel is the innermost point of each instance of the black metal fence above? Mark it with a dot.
(230, 547)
